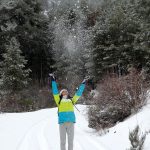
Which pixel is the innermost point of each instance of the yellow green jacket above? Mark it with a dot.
(66, 107)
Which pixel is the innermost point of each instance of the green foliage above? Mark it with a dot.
(26, 21)
(25, 102)
(14, 76)
(77, 38)
(137, 140)
(120, 39)
(113, 34)
(71, 37)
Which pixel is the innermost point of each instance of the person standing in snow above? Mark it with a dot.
(66, 115)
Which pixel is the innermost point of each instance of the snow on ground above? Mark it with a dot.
(39, 131)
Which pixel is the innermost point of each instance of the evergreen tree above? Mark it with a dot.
(136, 140)
(73, 21)
(115, 44)
(14, 75)
(142, 8)
(27, 21)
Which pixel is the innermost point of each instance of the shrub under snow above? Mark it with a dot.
(118, 98)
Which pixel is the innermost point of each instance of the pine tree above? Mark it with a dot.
(14, 75)
(72, 22)
(142, 8)
(137, 142)
(116, 37)
(27, 21)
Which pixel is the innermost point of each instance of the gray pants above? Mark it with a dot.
(66, 129)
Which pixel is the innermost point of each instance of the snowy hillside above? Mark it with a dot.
(39, 131)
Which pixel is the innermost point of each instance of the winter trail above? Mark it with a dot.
(45, 135)
(39, 130)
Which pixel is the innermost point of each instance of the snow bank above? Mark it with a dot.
(117, 138)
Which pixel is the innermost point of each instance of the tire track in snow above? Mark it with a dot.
(77, 146)
(84, 138)
(41, 138)
(36, 139)
(92, 144)
(45, 135)
(30, 137)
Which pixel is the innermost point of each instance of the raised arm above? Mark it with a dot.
(55, 89)
(79, 92)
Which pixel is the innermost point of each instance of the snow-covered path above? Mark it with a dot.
(45, 135)
(40, 131)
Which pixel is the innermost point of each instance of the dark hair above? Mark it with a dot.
(61, 96)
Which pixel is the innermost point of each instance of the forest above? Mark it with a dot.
(106, 40)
